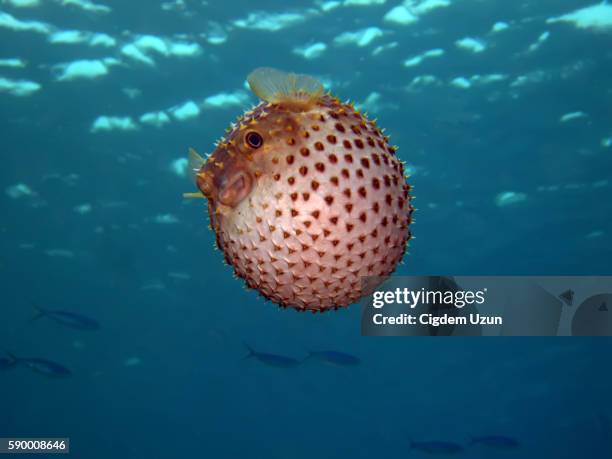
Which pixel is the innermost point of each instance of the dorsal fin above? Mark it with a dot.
(276, 86)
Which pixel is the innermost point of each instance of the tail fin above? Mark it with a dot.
(10, 355)
(251, 352)
(40, 312)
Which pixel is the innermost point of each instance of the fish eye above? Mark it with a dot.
(254, 139)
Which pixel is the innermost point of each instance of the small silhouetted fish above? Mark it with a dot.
(495, 441)
(272, 360)
(67, 318)
(437, 447)
(334, 357)
(7, 363)
(42, 366)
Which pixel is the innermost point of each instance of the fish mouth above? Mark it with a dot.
(235, 188)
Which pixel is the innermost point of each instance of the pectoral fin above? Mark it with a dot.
(195, 164)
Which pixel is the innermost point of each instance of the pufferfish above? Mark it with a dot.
(305, 195)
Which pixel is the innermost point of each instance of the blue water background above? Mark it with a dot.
(165, 375)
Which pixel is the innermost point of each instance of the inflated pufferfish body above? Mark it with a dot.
(305, 195)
